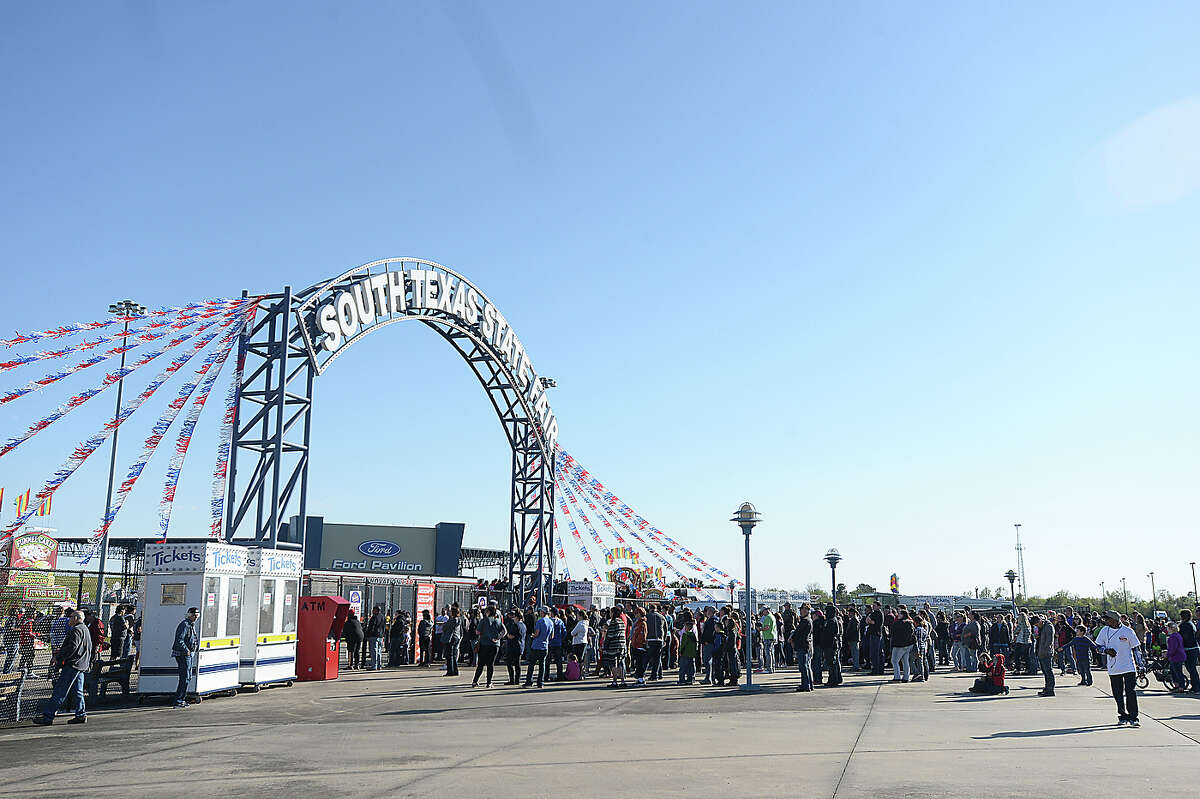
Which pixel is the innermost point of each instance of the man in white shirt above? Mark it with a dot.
(1122, 647)
(579, 639)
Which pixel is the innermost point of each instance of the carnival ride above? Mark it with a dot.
(293, 338)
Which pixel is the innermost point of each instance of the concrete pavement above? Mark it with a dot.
(412, 732)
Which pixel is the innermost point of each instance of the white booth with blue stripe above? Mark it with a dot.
(268, 649)
(206, 575)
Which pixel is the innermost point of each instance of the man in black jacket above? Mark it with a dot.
(831, 645)
(352, 634)
(789, 626)
(74, 658)
(874, 638)
(818, 656)
(851, 636)
(376, 630)
(708, 635)
(801, 641)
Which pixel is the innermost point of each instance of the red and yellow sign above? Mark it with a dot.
(29, 551)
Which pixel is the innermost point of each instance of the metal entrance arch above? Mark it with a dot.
(299, 335)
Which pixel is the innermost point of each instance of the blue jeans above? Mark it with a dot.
(537, 657)
(70, 683)
(875, 648)
(1193, 656)
(10, 654)
(184, 662)
(854, 655)
(1177, 675)
(687, 670)
(806, 678)
(817, 660)
(554, 657)
(769, 657)
(1085, 669)
(707, 657)
(654, 654)
(1048, 672)
(970, 659)
(375, 649)
(902, 663)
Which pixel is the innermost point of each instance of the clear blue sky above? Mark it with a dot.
(901, 276)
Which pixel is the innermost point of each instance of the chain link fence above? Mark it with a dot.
(33, 622)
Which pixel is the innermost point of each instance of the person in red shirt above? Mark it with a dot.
(27, 641)
(96, 630)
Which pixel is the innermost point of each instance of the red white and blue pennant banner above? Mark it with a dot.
(606, 505)
(83, 327)
(90, 445)
(110, 379)
(212, 362)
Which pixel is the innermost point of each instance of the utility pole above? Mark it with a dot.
(1153, 593)
(127, 309)
(1125, 591)
(1103, 597)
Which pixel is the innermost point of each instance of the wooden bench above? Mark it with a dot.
(12, 685)
(116, 671)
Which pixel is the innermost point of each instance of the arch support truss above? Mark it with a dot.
(301, 334)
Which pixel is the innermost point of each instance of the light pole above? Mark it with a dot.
(746, 517)
(1103, 597)
(127, 309)
(1153, 593)
(1125, 593)
(1012, 591)
(1195, 595)
(833, 558)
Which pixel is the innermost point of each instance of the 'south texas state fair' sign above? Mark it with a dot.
(336, 317)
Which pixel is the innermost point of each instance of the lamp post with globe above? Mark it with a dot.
(746, 517)
(833, 558)
(1012, 582)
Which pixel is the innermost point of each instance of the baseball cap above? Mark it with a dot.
(1112, 614)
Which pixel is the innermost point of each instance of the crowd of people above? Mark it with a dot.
(636, 644)
(25, 630)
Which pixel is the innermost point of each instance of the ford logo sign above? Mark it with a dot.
(379, 549)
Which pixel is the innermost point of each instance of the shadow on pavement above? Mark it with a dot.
(1044, 733)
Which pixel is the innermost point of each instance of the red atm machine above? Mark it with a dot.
(319, 636)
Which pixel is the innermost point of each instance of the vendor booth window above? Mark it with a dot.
(266, 608)
(233, 608)
(211, 614)
(290, 598)
(174, 594)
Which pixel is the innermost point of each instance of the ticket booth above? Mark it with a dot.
(268, 650)
(320, 628)
(204, 575)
